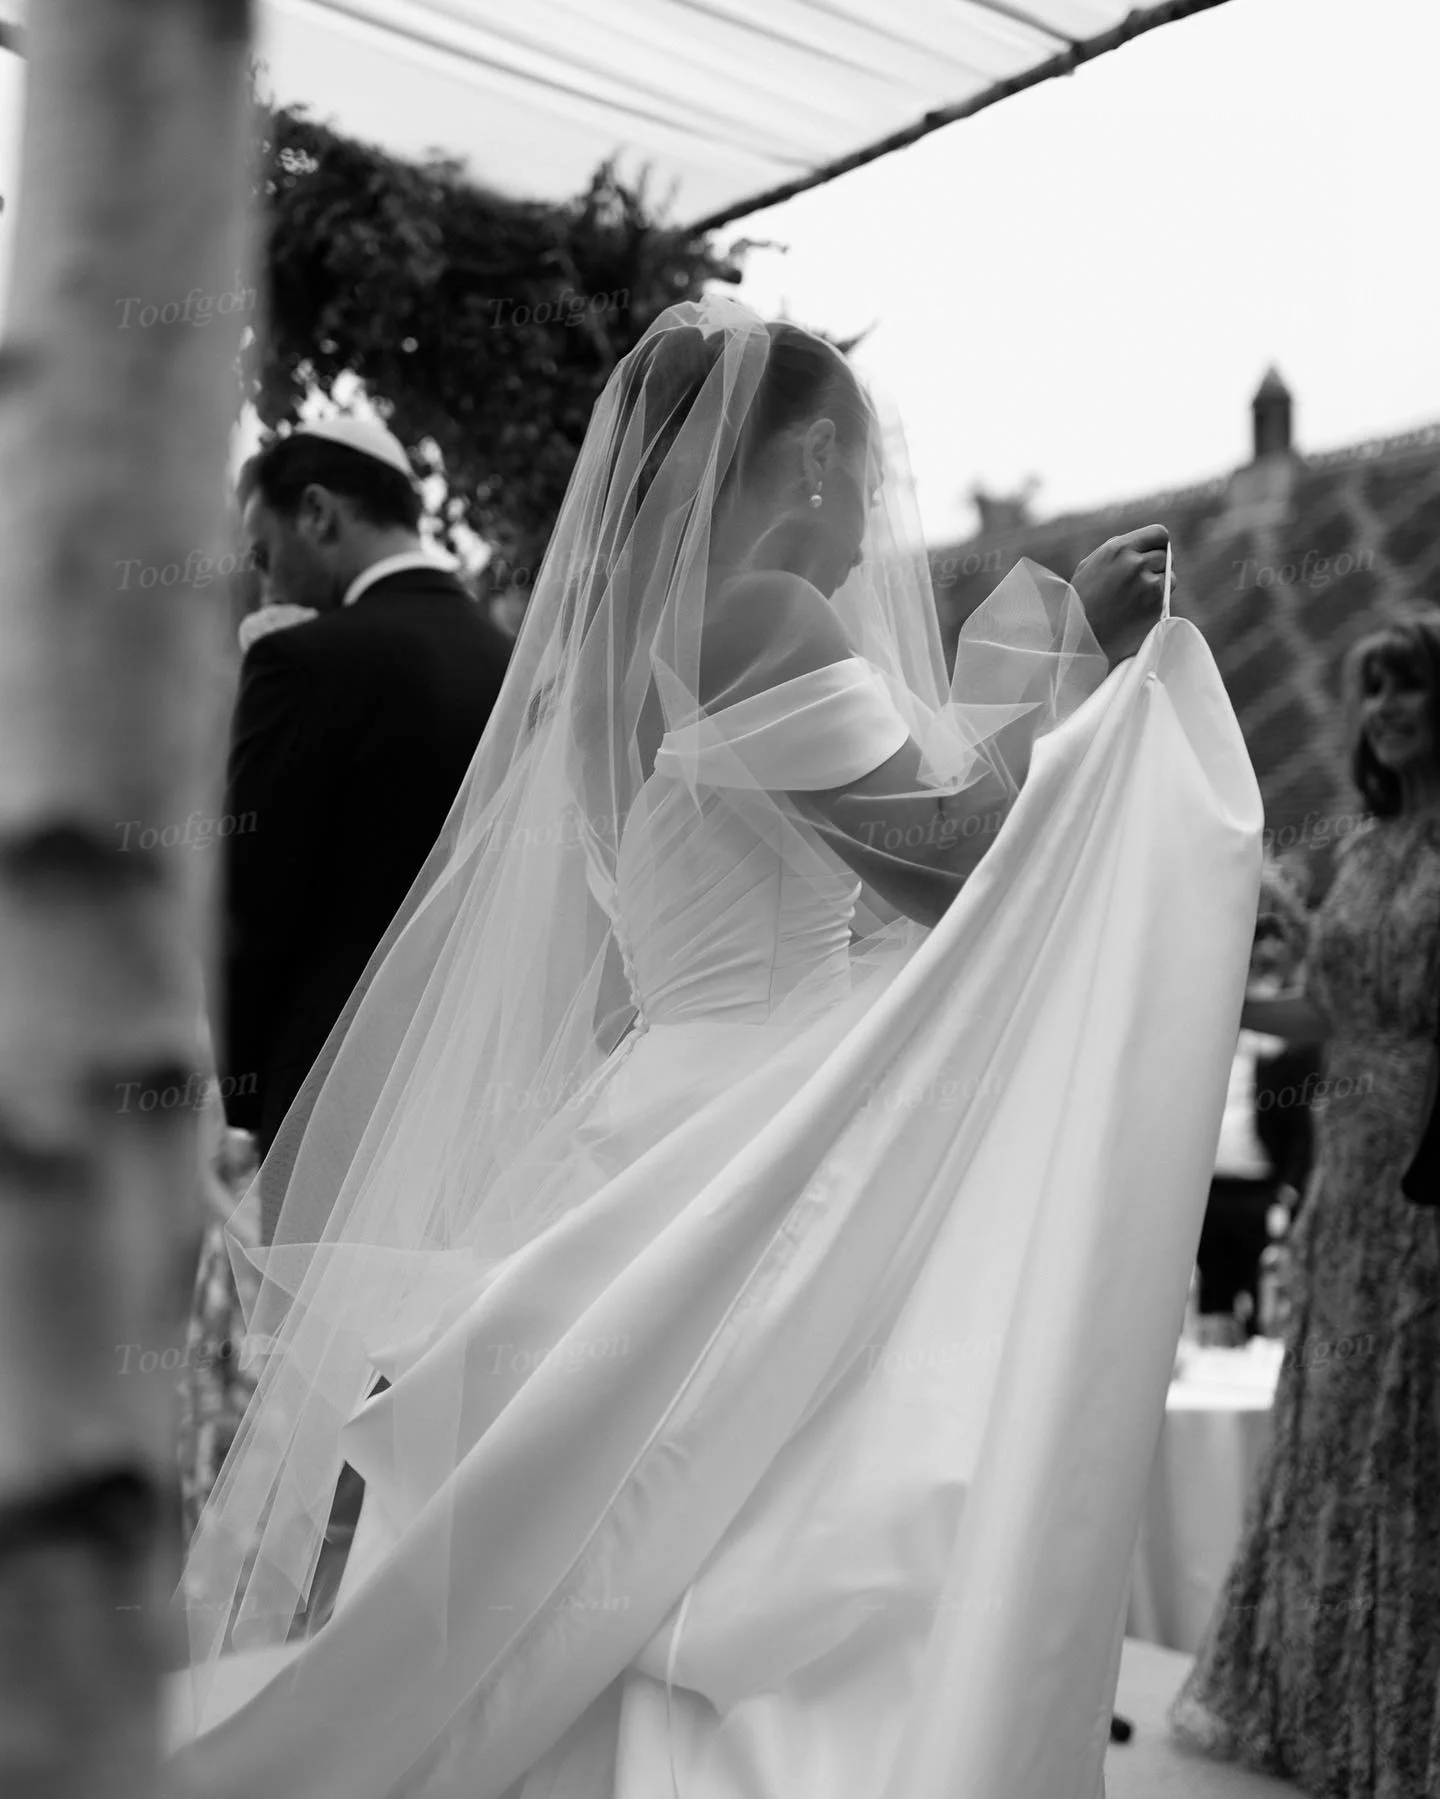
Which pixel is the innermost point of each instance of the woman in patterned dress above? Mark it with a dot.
(1322, 1662)
(215, 1384)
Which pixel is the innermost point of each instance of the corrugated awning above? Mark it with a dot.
(727, 100)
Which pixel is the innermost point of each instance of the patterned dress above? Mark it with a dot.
(215, 1384)
(1322, 1662)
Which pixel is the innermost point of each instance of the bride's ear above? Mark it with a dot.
(817, 452)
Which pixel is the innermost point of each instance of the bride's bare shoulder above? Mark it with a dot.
(771, 625)
(773, 589)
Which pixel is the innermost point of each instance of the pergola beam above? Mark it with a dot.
(1133, 25)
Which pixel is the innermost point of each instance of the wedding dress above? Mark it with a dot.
(773, 1386)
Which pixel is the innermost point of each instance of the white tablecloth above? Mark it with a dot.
(1216, 1431)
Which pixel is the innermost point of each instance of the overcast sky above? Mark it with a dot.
(1086, 282)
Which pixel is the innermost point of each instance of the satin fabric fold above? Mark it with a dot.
(785, 746)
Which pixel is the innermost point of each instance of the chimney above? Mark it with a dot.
(1271, 410)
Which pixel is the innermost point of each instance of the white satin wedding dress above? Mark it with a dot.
(804, 1455)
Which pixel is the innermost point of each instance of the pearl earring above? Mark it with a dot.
(815, 498)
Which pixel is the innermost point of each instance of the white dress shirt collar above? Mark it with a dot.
(391, 565)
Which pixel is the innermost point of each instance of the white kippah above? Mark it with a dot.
(368, 436)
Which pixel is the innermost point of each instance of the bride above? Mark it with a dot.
(697, 1230)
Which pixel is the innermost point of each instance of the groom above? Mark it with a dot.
(351, 735)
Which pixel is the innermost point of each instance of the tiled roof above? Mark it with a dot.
(1283, 565)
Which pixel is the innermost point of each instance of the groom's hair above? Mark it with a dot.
(282, 471)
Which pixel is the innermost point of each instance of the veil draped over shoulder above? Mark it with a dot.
(726, 1338)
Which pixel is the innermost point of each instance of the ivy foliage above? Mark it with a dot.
(482, 327)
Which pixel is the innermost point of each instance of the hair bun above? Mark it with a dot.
(668, 373)
(681, 360)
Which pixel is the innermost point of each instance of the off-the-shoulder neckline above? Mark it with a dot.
(852, 662)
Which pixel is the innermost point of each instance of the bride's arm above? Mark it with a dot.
(916, 851)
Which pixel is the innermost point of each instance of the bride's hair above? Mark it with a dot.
(804, 378)
(659, 386)
(667, 373)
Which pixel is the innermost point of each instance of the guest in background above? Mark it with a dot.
(1322, 1662)
(1260, 1147)
(216, 1382)
(1246, 1173)
(1284, 1082)
(368, 678)
(1421, 1183)
(352, 733)
(1243, 1189)
(1286, 1074)
(1295, 888)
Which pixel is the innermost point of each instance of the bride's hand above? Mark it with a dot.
(1121, 586)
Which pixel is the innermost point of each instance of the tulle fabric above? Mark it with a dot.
(468, 1202)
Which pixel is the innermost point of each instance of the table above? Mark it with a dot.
(1215, 1434)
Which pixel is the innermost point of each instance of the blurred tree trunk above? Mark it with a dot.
(116, 399)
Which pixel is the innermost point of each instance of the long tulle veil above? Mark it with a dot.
(429, 1146)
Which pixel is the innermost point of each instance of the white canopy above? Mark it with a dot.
(726, 99)
(731, 103)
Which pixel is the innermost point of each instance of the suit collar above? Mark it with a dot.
(408, 562)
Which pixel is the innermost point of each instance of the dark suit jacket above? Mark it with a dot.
(351, 735)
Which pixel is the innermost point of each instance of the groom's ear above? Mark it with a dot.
(319, 513)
